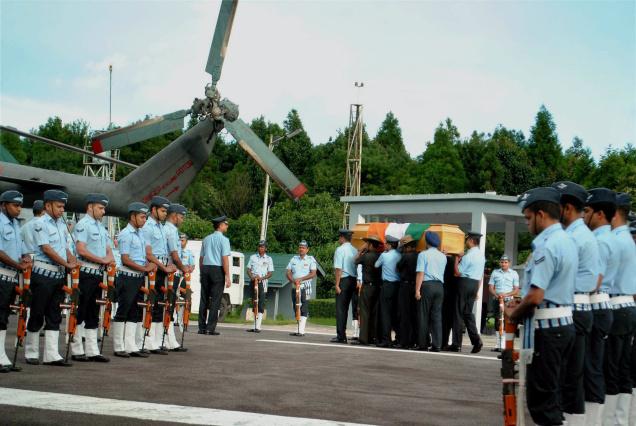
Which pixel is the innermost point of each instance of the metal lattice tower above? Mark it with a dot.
(354, 157)
(100, 169)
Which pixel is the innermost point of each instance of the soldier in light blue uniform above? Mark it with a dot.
(52, 258)
(345, 271)
(618, 380)
(130, 278)
(27, 230)
(470, 270)
(573, 198)
(176, 216)
(301, 269)
(504, 282)
(13, 259)
(429, 291)
(95, 254)
(214, 262)
(388, 293)
(157, 253)
(187, 258)
(259, 268)
(599, 210)
(546, 307)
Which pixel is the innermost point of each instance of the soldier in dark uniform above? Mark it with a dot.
(371, 283)
(214, 264)
(406, 302)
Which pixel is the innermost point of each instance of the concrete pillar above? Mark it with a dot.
(511, 242)
(355, 216)
(479, 224)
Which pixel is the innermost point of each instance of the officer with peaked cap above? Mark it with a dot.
(389, 291)
(13, 259)
(95, 254)
(371, 283)
(260, 268)
(573, 199)
(429, 292)
(27, 230)
(130, 278)
(600, 208)
(301, 270)
(618, 345)
(176, 216)
(504, 282)
(345, 272)
(52, 258)
(157, 253)
(214, 262)
(406, 302)
(546, 307)
(470, 270)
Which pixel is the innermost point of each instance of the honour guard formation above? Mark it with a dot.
(575, 307)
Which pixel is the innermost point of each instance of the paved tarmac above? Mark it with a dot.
(274, 373)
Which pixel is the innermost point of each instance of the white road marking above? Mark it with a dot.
(246, 326)
(148, 410)
(373, 348)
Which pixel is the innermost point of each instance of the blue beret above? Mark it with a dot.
(177, 208)
(219, 219)
(137, 207)
(13, 197)
(344, 232)
(600, 195)
(392, 240)
(96, 198)
(55, 195)
(432, 239)
(572, 189)
(158, 201)
(623, 200)
(38, 205)
(535, 195)
(183, 236)
(303, 243)
(262, 243)
(504, 257)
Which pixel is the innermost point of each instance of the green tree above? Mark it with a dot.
(12, 143)
(507, 162)
(617, 170)
(439, 168)
(579, 163)
(46, 157)
(544, 149)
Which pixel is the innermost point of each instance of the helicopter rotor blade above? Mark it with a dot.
(220, 40)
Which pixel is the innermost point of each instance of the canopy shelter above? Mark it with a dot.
(477, 212)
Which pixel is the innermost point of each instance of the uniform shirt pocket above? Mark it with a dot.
(8, 233)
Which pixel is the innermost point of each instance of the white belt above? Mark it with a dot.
(91, 265)
(619, 300)
(582, 299)
(48, 267)
(599, 298)
(553, 313)
(129, 271)
(10, 273)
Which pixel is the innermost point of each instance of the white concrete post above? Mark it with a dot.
(479, 224)
(510, 245)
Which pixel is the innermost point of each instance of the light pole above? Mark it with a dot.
(265, 217)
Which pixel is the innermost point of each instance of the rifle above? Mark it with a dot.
(187, 304)
(509, 357)
(23, 290)
(72, 290)
(255, 302)
(148, 303)
(502, 308)
(167, 305)
(358, 307)
(298, 304)
(108, 297)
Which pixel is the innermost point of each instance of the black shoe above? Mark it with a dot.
(354, 338)
(80, 358)
(495, 350)
(5, 368)
(138, 355)
(164, 348)
(15, 368)
(477, 347)
(58, 363)
(32, 361)
(122, 354)
(213, 333)
(158, 352)
(381, 345)
(357, 342)
(179, 349)
(452, 348)
(398, 346)
(252, 330)
(144, 351)
(202, 332)
(98, 358)
(257, 330)
(336, 340)
(297, 334)
(434, 350)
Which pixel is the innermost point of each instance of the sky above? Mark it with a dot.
(482, 64)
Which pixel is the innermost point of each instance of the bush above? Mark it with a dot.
(324, 308)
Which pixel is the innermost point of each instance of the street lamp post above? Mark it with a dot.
(265, 218)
